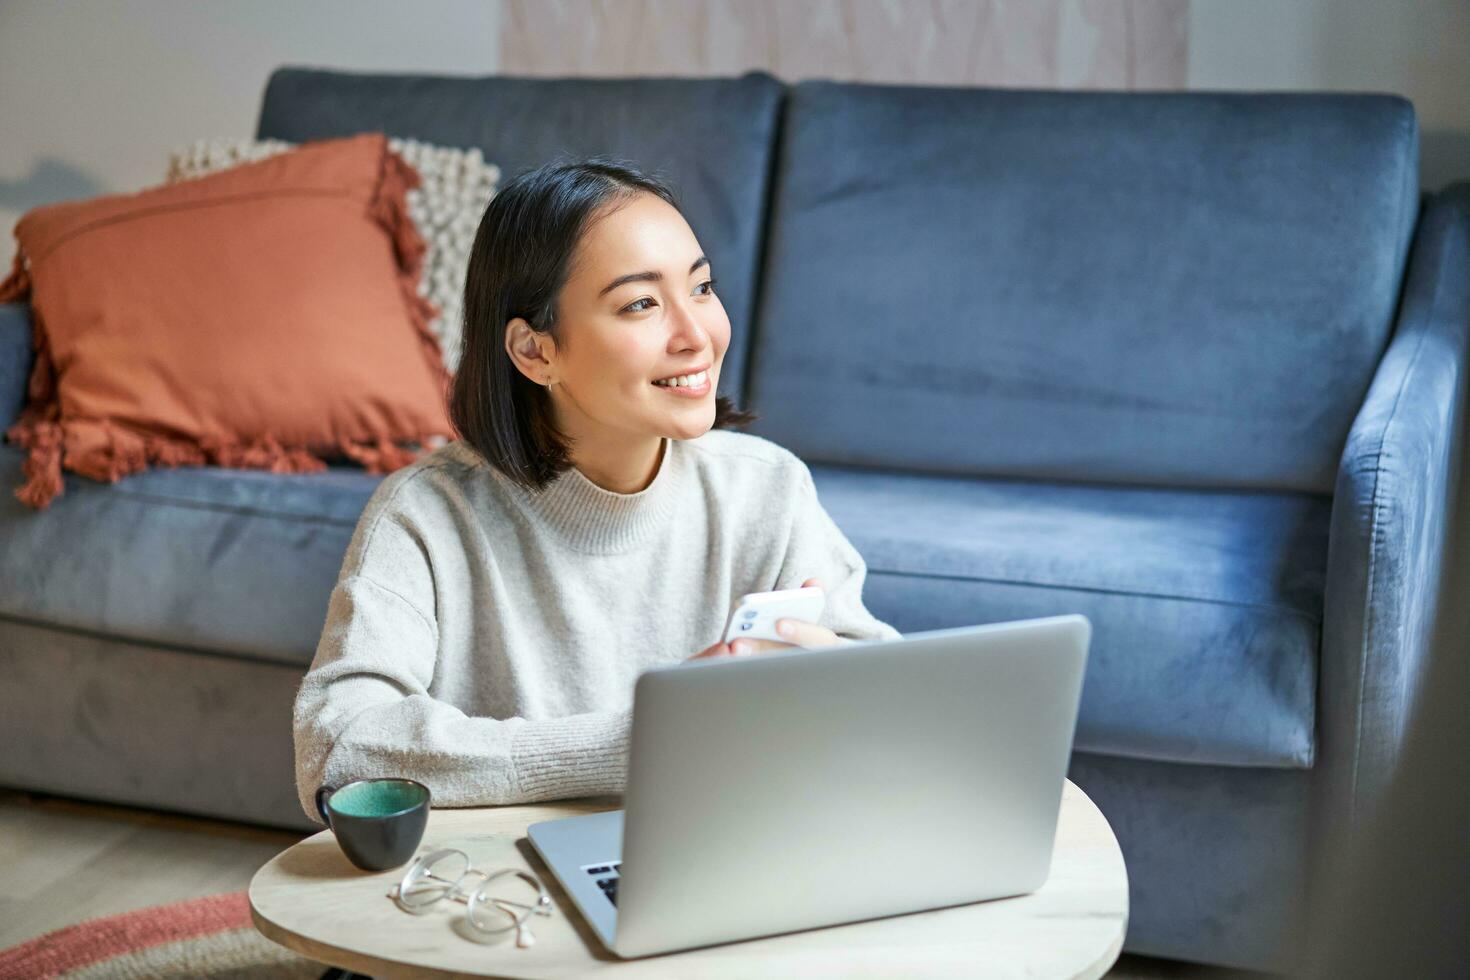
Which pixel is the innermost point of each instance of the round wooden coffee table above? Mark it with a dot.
(310, 899)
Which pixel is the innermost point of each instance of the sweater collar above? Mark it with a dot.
(602, 522)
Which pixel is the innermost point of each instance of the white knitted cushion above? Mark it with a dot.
(446, 208)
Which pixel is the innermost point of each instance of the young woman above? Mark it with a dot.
(597, 516)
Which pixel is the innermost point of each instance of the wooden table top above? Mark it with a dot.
(311, 900)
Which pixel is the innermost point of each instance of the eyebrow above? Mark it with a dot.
(646, 276)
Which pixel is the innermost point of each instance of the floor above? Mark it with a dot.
(65, 860)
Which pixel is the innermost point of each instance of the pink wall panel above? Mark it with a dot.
(1119, 44)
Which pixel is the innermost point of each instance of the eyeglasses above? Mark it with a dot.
(495, 901)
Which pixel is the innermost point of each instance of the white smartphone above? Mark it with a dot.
(755, 615)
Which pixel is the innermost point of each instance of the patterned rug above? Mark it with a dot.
(210, 937)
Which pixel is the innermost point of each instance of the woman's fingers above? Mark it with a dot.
(805, 634)
(714, 650)
(745, 646)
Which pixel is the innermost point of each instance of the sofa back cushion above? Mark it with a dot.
(1175, 288)
(712, 138)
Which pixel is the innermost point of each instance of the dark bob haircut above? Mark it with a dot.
(518, 265)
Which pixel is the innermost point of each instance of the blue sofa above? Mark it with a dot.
(1190, 364)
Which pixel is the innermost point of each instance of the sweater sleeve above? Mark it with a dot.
(364, 708)
(817, 548)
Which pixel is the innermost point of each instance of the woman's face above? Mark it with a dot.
(638, 307)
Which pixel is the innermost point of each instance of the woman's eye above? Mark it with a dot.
(633, 307)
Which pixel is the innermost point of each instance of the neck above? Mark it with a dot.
(620, 467)
(595, 520)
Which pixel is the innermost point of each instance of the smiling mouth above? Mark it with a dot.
(700, 377)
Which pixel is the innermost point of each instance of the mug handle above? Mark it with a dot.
(323, 792)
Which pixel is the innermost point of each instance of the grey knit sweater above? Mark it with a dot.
(484, 639)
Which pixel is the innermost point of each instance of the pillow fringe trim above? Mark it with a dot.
(128, 452)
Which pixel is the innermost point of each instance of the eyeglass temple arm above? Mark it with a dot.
(542, 906)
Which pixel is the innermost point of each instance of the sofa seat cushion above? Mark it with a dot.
(1206, 605)
(229, 561)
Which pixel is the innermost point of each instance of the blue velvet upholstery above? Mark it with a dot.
(1189, 289)
(1205, 605)
(198, 557)
(1390, 519)
(1045, 352)
(1217, 856)
(713, 138)
(1221, 591)
(100, 717)
(16, 358)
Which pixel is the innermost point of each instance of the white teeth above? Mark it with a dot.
(685, 380)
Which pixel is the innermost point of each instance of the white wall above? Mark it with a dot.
(1417, 48)
(95, 93)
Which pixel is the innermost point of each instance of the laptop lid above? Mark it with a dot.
(805, 788)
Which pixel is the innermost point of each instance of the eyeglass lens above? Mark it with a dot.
(503, 902)
(433, 877)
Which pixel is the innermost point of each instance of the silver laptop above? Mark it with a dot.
(811, 787)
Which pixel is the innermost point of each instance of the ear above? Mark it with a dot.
(524, 346)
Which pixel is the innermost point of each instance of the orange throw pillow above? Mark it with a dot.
(265, 317)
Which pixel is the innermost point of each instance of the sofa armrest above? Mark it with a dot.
(1393, 505)
(16, 359)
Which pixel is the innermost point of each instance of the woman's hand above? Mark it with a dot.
(717, 650)
(803, 634)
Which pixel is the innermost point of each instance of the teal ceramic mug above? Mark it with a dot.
(378, 823)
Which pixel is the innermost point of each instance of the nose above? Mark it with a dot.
(687, 327)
